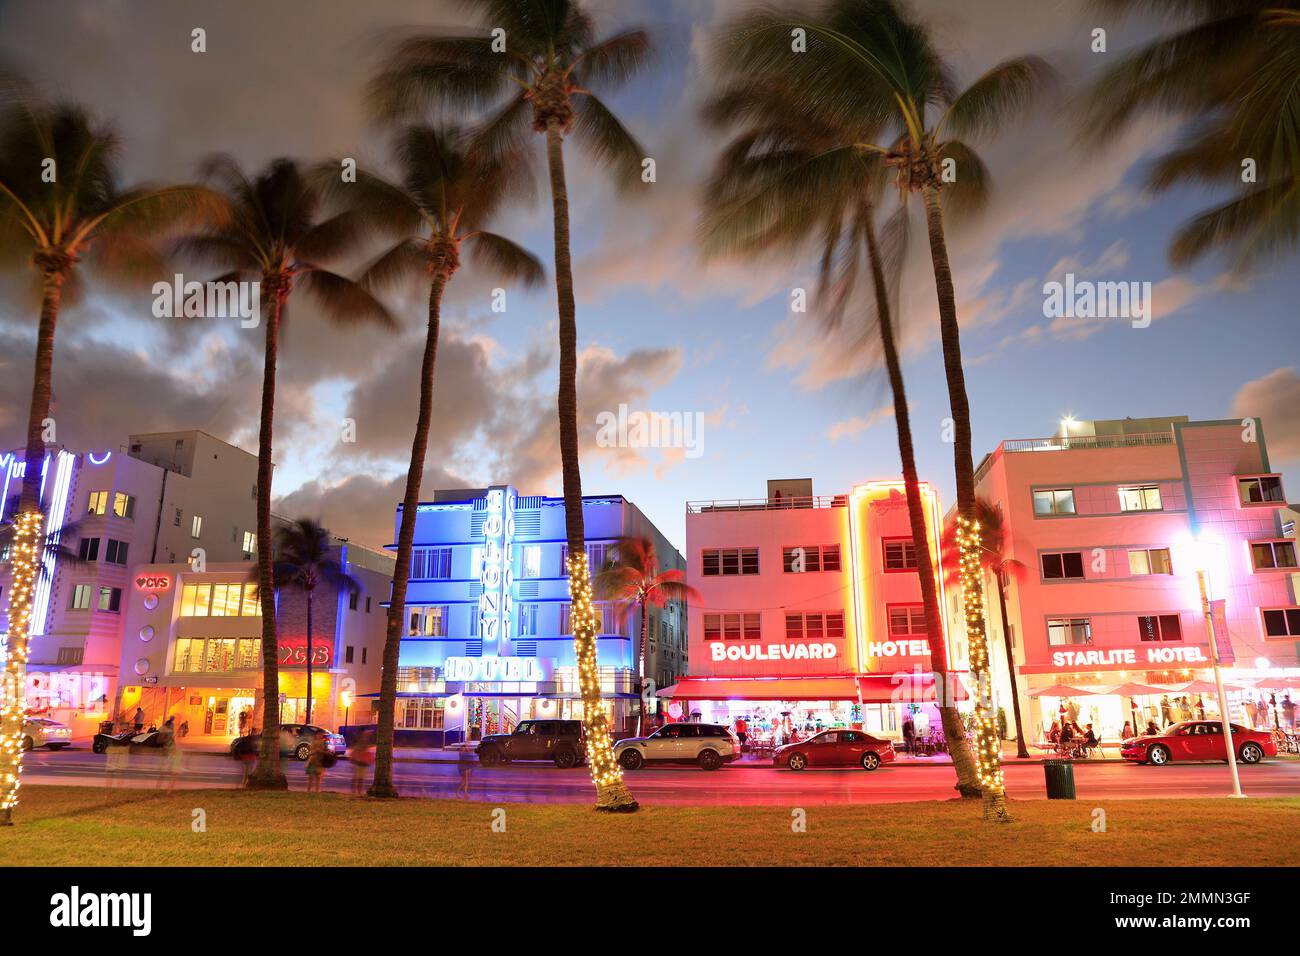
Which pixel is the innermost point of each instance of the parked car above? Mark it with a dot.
(835, 748)
(295, 741)
(709, 745)
(1198, 740)
(43, 732)
(560, 741)
(152, 739)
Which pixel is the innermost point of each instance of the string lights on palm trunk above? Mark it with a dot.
(26, 557)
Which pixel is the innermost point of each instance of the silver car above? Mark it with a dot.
(43, 732)
(707, 745)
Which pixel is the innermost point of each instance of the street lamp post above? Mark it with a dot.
(1218, 678)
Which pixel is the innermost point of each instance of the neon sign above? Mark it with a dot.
(1128, 657)
(293, 652)
(772, 652)
(497, 572)
(493, 669)
(153, 582)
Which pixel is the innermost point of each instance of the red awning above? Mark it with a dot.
(870, 689)
(762, 688)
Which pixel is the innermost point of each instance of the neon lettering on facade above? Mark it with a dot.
(772, 652)
(497, 572)
(493, 669)
(53, 532)
(1128, 656)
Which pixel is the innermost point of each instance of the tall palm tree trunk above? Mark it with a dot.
(988, 748)
(310, 594)
(611, 792)
(26, 548)
(1022, 751)
(382, 785)
(962, 760)
(640, 670)
(268, 775)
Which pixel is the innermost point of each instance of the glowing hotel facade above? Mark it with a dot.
(487, 641)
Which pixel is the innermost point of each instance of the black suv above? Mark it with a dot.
(559, 740)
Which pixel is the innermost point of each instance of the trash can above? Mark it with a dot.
(1060, 779)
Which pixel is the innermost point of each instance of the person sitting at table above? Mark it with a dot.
(1067, 733)
(1127, 732)
(1055, 733)
(1152, 730)
(1089, 738)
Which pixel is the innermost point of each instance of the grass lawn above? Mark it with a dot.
(72, 826)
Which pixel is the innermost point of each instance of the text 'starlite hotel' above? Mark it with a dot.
(487, 640)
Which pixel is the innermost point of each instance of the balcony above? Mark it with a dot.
(1073, 443)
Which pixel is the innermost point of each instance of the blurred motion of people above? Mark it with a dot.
(465, 763)
(362, 756)
(316, 763)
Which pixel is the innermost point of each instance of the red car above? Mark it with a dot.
(835, 748)
(1199, 740)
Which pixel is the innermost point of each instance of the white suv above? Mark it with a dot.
(708, 745)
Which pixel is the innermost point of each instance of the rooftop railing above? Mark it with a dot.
(1075, 443)
(783, 503)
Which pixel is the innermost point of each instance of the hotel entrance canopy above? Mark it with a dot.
(867, 689)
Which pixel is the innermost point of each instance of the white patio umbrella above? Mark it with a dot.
(1277, 683)
(1137, 690)
(1205, 687)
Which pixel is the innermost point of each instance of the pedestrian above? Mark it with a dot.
(1127, 732)
(1288, 710)
(909, 735)
(465, 764)
(245, 751)
(243, 721)
(742, 731)
(362, 756)
(171, 755)
(1200, 707)
(139, 719)
(315, 763)
(1072, 711)
(1165, 710)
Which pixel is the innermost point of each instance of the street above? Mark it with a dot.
(689, 786)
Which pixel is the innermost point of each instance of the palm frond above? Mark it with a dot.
(344, 301)
(608, 142)
(506, 258)
(999, 95)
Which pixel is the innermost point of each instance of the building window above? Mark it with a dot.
(367, 603)
(363, 655)
(814, 626)
(427, 621)
(527, 620)
(1070, 630)
(420, 713)
(1266, 489)
(199, 655)
(1160, 627)
(176, 518)
(1273, 555)
(70, 655)
(531, 566)
(115, 553)
(347, 654)
(1054, 501)
(1149, 561)
(810, 557)
(98, 504)
(110, 599)
(124, 505)
(730, 561)
(599, 554)
(1139, 498)
(1067, 565)
(81, 597)
(196, 526)
(220, 600)
(906, 620)
(88, 549)
(250, 545)
(1282, 622)
(900, 555)
(431, 563)
(745, 626)
(352, 600)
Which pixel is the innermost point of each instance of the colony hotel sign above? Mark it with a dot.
(493, 669)
(1129, 655)
(496, 575)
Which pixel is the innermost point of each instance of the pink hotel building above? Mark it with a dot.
(810, 606)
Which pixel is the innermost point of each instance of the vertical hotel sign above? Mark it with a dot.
(497, 574)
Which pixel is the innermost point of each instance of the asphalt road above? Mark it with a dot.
(686, 786)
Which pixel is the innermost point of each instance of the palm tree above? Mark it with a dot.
(305, 559)
(787, 179)
(992, 549)
(61, 204)
(275, 238)
(632, 579)
(544, 76)
(447, 195)
(865, 63)
(1228, 69)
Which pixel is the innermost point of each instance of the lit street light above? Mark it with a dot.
(1205, 551)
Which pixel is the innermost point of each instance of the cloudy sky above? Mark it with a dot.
(658, 330)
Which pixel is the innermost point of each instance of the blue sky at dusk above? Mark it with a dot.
(659, 329)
